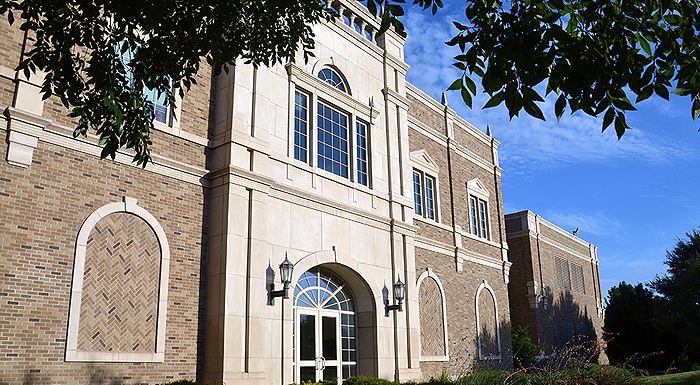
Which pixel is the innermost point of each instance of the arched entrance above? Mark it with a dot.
(325, 332)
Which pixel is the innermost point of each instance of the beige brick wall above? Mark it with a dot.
(41, 210)
(460, 295)
(426, 115)
(11, 42)
(536, 257)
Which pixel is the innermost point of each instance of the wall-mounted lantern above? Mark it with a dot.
(399, 294)
(286, 269)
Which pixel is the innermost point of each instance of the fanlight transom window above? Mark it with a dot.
(329, 76)
(318, 289)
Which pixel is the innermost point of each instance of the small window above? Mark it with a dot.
(362, 154)
(478, 210)
(563, 279)
(301, 124)
(424, 194)
(156, 102)
(329, 76)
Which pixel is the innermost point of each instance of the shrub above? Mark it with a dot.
(524, 350)
(362, 380)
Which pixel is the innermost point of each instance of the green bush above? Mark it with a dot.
(362, 380)
(524, 350)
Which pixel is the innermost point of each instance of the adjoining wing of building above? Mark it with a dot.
(555, 283)
(111, 272)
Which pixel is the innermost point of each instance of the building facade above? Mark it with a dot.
(116, 273)
(555, 283)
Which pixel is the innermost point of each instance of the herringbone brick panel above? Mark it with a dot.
(487, 324)
(120, 290)
(432, 331)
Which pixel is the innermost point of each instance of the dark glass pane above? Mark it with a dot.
(332, 304)
(307, 374)
(330, 372)
(330, 344)
(307, 337)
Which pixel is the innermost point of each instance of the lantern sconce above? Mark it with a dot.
(286, 269)
(399, 294)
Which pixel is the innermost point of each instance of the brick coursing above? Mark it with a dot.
(533, 256)
(41, 211)
(460, 296)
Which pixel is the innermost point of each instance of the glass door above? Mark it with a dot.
(324, 328)
(317, 345)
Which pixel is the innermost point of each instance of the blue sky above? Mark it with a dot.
(632, 198)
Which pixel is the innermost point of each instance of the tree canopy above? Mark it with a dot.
(591, 53)
(629, 325)
(679, 291)
(80, 46)
(640, 322)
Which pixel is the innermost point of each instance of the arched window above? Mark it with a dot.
(120, 287)
(329, 76)
(431, 311)
(489, 339)
(325, 345)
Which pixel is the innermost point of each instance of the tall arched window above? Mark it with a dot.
(432, 314)
(325, 345)
(489, 339)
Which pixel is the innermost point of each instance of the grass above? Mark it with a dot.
(685, 378)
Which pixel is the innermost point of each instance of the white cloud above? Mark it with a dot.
(528, 144)
(596, 223)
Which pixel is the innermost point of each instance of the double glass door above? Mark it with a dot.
(318, 346)
(324, 328)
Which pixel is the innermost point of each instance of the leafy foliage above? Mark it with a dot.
(680, 295)
(629, 324)
(79, 45)
(524, 350)
(591, 53)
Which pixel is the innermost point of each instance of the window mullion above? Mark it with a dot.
(352, 148)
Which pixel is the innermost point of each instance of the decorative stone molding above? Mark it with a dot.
(72, 353)
(24, 131)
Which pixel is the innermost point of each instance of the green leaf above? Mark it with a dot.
(494, 101)
(620, 125)
(661, 90)
(645, 45)
(645, 93)
(470, 84)
(681, 91)
(560, 106)
(696, 107)
(608, 118)
(533, 109)
(467, 97)
(456, 85)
